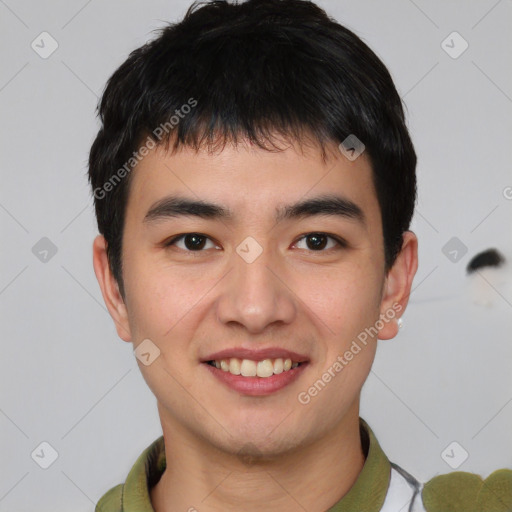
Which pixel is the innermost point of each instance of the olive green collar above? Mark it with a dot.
(368, 492)
(145, 473)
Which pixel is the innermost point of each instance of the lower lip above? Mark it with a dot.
(256, 386)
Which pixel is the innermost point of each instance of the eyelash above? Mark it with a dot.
(341, 244)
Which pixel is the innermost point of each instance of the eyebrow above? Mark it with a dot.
(326, 205)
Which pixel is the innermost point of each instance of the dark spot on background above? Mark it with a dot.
(488, 258)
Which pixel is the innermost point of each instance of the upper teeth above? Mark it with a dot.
(249, 368)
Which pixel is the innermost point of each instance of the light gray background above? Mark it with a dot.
(67, 379)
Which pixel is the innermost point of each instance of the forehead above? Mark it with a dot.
(252, 182)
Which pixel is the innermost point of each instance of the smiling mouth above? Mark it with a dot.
(249, 368)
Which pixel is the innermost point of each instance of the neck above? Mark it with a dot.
(200, 477)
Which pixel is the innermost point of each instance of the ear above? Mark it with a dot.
(110, 289)
(397, 285)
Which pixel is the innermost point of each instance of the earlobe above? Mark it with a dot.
(397, 286)
(110, 289)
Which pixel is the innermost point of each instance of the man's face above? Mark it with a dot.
(216, 292)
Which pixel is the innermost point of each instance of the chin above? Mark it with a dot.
(262, 447)
(262, 439)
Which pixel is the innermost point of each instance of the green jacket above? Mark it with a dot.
(382, 486)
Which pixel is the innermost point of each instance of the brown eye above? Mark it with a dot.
(319, 242)
(316, 241)
(192, 242)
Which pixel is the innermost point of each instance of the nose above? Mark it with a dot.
(255, 295)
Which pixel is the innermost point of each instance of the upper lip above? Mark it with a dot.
(256, 355)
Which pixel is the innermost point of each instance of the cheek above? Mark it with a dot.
(163, 300)
(344, 299)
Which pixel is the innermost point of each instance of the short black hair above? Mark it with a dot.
(256, 70)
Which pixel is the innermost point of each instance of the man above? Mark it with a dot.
(254, 183)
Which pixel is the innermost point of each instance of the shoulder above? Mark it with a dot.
(111, 501)
(460, 491)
